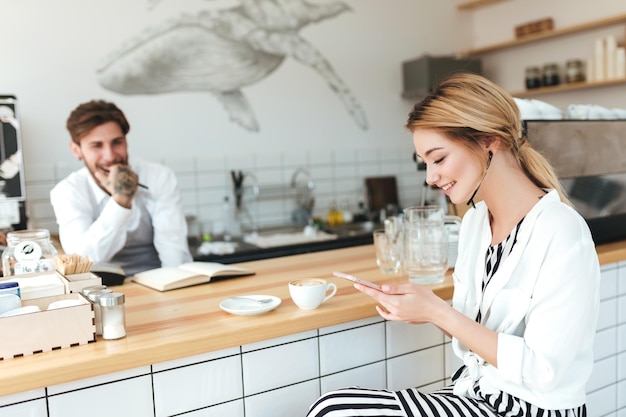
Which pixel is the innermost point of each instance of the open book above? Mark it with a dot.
(187, 274)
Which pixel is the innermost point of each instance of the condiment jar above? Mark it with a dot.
(574, 71)
(113, 315)
(551, 75)
(94, 298)
(93, 288)
(335, 217)
(533, 77)
(28, 251)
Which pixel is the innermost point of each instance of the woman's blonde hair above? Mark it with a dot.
(470, 109)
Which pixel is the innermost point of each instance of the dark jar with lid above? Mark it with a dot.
(551, 75)
(533, 77)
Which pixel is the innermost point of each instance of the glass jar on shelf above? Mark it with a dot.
(28, 251)
(551, 75)
(533, 77)
(574, 71)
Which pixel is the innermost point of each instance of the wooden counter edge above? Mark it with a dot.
(103, 357)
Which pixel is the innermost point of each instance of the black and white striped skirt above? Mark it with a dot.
(360, 402)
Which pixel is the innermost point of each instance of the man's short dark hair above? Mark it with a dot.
(92, 114)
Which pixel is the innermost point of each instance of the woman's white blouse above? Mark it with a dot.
(543, 301)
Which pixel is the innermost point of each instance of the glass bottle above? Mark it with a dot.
(334, 217)
(28, 251)
(113, 315)
(574, 71)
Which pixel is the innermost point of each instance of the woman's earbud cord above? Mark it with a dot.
(471, 199)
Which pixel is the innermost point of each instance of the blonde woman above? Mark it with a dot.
(526, 281)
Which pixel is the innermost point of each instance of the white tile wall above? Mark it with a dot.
(293, 400)
(351, 348)
(98, 380)
(415, 369)
(204, 181)
(370, 376)
(604, 398)
(404, 338)
(125, 398)
(22, 396)
(197, 386)
(452, 362)
(279, 366)
(283, 376)
(230, 409)
(36, 408)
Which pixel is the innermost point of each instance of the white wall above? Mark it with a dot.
(51, 51)
(54, 48)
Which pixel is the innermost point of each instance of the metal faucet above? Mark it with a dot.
(303, 214)
(310, 184)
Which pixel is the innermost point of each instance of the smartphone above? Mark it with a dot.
(357, 280)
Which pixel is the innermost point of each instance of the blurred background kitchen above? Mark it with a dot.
(327, 106)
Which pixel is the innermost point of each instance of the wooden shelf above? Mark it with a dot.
(596, 24)
(567, 87)
(474, 4)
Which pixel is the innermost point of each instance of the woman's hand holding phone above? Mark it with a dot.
(357, 280)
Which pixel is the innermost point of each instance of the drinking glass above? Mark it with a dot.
(388, 253)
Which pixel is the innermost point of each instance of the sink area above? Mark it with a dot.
(353, 229)
(282, 240)
(285, 236)
(341, 230)
(288, 240)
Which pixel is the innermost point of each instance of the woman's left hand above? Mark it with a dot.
(410, 303)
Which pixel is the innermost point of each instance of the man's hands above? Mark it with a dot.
(120, 182)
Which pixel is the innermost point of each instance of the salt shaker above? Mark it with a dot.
(113, 315)
(94, 297)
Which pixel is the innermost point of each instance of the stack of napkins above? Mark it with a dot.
(532, 109)
(594, 112)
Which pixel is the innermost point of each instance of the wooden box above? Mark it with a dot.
(39, 284)
(65, 284)
(47, 330)
(76, 282)
(533, 28)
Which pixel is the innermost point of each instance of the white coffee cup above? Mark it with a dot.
(309, 293)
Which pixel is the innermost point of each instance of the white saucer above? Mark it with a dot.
(242, 307)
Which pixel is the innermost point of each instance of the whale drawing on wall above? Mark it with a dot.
(222, 51)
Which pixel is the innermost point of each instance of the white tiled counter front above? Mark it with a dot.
(607, 386)
(278, 377)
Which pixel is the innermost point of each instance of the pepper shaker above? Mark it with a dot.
(113, 315)
(94, 297)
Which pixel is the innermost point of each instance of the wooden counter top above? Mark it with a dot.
(163, 326)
